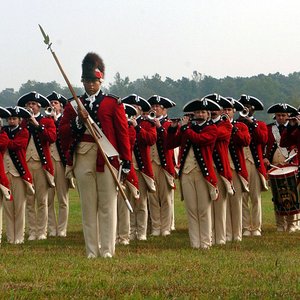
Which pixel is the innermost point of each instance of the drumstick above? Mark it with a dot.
(273, 166)
(289, 158)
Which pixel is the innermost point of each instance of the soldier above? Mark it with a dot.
(58, 227)
(239, 139)
(222, 168)
(145, 138)
(162, 159)
(130, 185)
(276, 155)
(95, 182)
(5, 194)
(18, 174)
(42, 133)
(252, 221)
(197, 177)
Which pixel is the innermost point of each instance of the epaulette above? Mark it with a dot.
(119, 100)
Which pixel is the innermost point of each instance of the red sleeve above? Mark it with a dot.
(147, 133)
(49, 132)
(241, 135)
(208, 135)
(289, 136)
(224, 131)
(20, 140)
(121, 129)
(174, 136)
(260, 133)
(4, 140)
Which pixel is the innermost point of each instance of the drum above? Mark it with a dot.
(283, 183)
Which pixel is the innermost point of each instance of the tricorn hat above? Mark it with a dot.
(18, 111)
(222, 101)
(282, 108)
(201, 104)
(163, 101)
(134, 99)
(33, 96)
(56, 96)
(4, 113)
(236, 104)
(130, 110)
(93, 67)
(256, 103)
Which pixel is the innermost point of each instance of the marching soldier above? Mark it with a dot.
(42, 133)
(162, 159)
(95, 182)
(5, 194)
(58, 227)
(145, 138)
(222, 168)
(197, 177)
(239, 139)
(252, 221)
(18, 174)
(130, 185)
(276, 155)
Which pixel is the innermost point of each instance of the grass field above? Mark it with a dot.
(264, 267)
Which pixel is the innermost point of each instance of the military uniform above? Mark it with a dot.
(19, 177)
(252, 220)
(58, 226)
(197, 176)
(5, 194)
(240, 138)
(40, 166)
(96, 186)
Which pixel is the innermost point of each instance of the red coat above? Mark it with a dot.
(259, 137)
(17, 145)
(166, 155)
(145, 137)
(4, 183)
(240, 138)
(202, 139)
(43, 136)
(220, 154)
(109, 114)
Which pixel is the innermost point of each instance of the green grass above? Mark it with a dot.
(160, 268)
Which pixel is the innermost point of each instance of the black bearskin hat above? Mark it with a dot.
(92, 67)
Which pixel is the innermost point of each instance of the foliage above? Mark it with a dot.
(269, 88)
(161, 268)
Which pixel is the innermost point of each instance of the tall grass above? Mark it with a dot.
(161, 268)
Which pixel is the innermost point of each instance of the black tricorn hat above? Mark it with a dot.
(222, 101)
(137, 100)
(33, 96)
(130, 110)
(163, 101)
(93, 67)
(4, 113)
(18, 111)
(282, 108)
(55, 96)
(256, 103)
(201, 104)
(236, 104)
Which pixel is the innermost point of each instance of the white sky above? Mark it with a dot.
(142, 37)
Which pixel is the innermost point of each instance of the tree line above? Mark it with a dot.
(270, 89)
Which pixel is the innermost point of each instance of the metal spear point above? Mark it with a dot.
(46, 37)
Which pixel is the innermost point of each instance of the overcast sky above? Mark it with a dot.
(142, 37)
